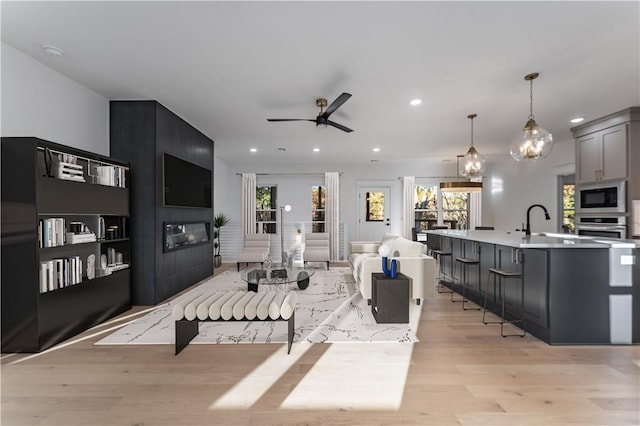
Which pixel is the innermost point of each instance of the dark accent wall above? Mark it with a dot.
(140, 132)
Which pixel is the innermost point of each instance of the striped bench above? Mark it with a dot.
(232, 306)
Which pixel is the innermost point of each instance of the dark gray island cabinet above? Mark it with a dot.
(577, 290)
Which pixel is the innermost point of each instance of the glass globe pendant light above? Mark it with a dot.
(473, 163)
(533, 142)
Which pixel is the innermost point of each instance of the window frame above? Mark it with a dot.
(319, 225)
(267, 226)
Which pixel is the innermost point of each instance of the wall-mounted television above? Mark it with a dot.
(185, 184)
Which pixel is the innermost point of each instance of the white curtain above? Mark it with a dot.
(475, 208)
(249, 203)
(332, 212)
(408, 205)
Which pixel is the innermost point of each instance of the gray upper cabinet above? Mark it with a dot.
(608, 148)
(602, 155)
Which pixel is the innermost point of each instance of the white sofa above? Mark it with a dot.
(411, 261)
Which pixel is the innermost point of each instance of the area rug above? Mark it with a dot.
(330, 310)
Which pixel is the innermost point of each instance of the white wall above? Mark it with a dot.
(510, 188)
(39, 101)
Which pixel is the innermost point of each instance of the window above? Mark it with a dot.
(426, 207)
(266, 209)
(318, 207)
(568, 208)
(455, 209)
(375, 206)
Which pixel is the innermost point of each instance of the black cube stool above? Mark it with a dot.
(464, 263)
(503, 276)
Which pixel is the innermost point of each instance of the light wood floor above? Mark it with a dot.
(461, 372)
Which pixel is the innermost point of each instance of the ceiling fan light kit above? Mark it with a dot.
(533, 142)
(473, 163)
(323, 117)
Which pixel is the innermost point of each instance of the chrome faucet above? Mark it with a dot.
(546, 216)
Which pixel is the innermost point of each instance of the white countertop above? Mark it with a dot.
(537, 240)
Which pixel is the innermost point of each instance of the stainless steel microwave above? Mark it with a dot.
(601, 198)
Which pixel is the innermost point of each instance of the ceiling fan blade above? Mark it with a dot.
(339, 126)
(290, 119)
(336, 104)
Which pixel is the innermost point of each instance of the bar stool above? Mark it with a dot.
(465, 263)
(503, 276)
(440, 253)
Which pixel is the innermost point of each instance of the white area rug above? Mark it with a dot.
(329, 310)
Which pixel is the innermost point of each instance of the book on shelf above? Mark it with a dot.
(68, 171)
(77, 238)
(51, 232)
(59, 273)
(111, 176)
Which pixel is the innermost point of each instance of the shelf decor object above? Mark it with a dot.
(533, 142)
(473, 163)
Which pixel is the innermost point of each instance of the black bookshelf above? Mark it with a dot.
(36, 314)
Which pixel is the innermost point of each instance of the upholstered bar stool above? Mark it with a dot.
(465, 263)
(504, 276)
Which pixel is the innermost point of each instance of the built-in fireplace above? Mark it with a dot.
(178, 236)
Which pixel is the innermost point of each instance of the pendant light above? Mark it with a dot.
(473, 162)
(460, 185)
(533, 142)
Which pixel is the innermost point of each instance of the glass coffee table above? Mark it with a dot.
(276, 276)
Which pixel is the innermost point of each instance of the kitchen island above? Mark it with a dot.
(577, 290)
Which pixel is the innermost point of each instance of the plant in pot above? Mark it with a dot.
(219, 221)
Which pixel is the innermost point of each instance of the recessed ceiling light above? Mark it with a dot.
(52, 50)
(376, 149)
(415, 102)
(577, 120)
(253, 149)
(316, 149)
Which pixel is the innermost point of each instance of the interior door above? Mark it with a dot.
(373, 213)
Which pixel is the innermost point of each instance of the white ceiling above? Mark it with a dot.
(226, 67)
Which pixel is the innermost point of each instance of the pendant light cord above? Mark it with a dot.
(471, 131)
(531, 99)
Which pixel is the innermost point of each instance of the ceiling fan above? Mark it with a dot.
(323, 117)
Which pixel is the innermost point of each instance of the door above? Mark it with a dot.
(373, 213)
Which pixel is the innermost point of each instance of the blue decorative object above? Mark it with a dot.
(391, 273)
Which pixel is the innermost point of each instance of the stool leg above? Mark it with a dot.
(486, 294)
(465, 281)
(441, 276)
(522, 318)
(453, 285)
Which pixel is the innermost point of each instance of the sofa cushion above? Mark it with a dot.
(388, 239)
(406, 248)
(357, 260)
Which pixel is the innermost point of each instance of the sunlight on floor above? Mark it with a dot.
(348, 376)
(251, 388)
(355, 376)
(89, 336)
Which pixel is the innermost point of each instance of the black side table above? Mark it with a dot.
(390, 298)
